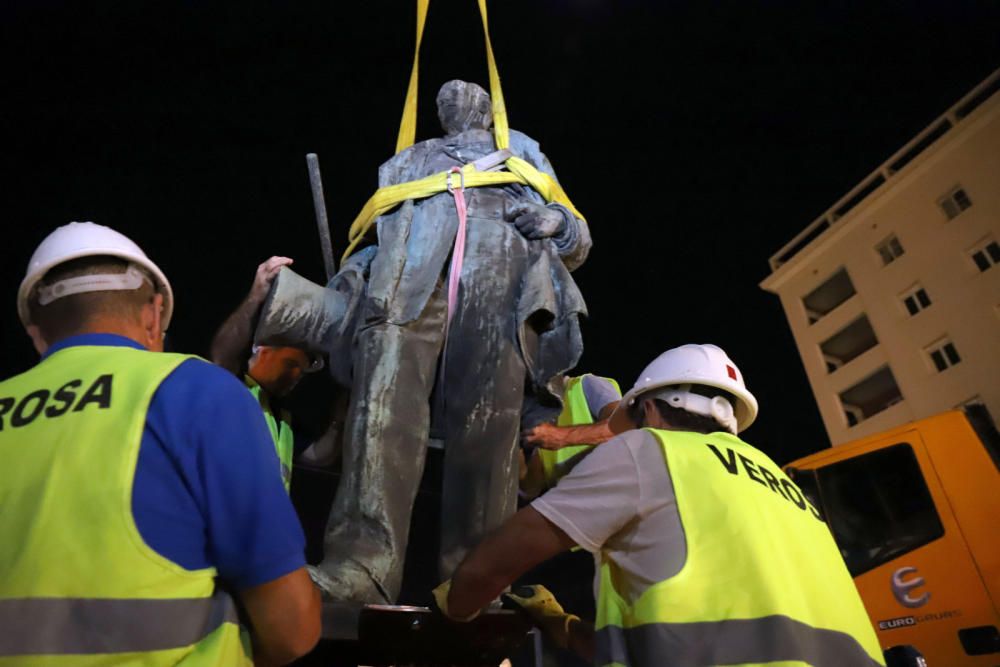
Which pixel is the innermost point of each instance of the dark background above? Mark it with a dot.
(696, 137)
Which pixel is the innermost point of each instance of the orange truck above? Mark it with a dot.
(916, 514)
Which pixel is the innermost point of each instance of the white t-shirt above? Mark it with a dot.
(619, 501)
(599, 393)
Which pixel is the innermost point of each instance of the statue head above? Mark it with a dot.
(463, 106)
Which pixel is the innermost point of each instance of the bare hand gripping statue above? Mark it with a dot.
(513, 329)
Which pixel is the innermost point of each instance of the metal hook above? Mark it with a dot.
(461, 179)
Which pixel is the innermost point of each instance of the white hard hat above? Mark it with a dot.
(86, 239)
(676, 370)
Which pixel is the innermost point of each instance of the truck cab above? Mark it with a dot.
(916, 513)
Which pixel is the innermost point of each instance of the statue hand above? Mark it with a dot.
(266, 273)
(535, 221)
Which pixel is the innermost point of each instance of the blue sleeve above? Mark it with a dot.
(599, 393)
(208, 488)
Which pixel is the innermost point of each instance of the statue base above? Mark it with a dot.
(384, 635)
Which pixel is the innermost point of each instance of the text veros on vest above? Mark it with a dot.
(734, 462)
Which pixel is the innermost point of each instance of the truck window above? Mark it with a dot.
(808, 485)
(982, 424)
(878, 506)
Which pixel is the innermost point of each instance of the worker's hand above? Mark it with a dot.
(266, 273)
(535, 221)
(546, 436)
(545, 611)
(441, 600)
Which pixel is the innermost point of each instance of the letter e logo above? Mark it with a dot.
(901, 588)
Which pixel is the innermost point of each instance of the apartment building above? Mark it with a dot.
(893, 294)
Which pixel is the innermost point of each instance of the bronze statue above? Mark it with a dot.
(514, 328)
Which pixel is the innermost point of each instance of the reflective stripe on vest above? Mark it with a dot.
(733, 642)
(576, 412)
(763, 581)
(78, 584)
(52, 626)
(281, 431)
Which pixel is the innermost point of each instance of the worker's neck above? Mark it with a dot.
(132, 331)
(654, 419)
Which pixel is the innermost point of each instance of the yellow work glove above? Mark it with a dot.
(441, 599)
(546, 612)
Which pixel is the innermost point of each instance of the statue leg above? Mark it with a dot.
(479, 490)
(484, 390)
(384, 452)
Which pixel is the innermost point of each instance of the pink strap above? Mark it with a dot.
(454, 270)
(458, 252)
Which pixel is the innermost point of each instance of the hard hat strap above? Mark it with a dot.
(681, 396)
(98, 282)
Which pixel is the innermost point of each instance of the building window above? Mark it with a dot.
(872, 395)
(878, 506)
(986, 254)
(849, 343)
(889, 250)
(943, 355)
(837, 289)
(915, 299)
(954, 203)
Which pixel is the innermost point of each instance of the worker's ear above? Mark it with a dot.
(152, 323)
(35, 334)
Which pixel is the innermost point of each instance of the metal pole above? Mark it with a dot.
(319, 203)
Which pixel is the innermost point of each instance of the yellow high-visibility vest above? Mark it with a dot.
(575, 412)
(281, 430)
(78, 584)
(763, 583)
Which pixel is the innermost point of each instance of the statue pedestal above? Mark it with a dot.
(383, 635)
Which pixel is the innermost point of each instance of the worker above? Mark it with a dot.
(271, 372)
(126, 521)
(550, 450)
(554, 446)
(709, 554)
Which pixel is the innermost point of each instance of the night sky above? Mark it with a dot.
(697, 138)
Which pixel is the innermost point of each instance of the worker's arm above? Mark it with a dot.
(591, 504)
(549, 436)
(284, 618)
(232, 342)
(524, 541)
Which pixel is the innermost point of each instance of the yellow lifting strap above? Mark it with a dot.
(520, 171)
